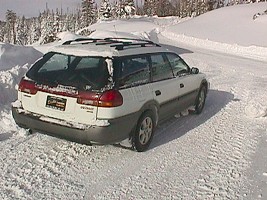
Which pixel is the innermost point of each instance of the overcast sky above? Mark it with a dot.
(31, 8)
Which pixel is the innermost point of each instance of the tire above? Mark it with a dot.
(144, 132)
(201, 99)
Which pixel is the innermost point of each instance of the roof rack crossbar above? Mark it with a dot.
(128, 39)
(93, 40)
(129, 42)
(113, 42)
(142, 44)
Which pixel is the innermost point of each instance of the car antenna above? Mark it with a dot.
(115, 30)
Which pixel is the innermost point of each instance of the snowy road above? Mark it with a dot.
(209, 156)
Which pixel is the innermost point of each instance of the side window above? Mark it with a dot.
(178, 65)
(134, 71)
(160, 68)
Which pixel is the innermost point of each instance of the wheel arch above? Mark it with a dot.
(152, 106)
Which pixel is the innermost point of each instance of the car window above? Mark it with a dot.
(134, 71)
(160, 68)
(88, 73)
(88, 62)
(56, 62)
(178, 65)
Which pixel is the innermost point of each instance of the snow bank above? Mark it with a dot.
(142, 28)
(11, 55)
(231, 25)
(65, 36)
(253, 52)
(9, 80)
(230, 30)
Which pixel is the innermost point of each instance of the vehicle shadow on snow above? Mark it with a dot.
(174, 128)
(176, 49)
(5, 136)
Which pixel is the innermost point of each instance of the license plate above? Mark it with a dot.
(56, 103)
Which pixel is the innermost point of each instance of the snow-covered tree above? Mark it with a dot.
(105, 10)
(47, 30)
(129, 8)
(88, 15)
(22, 31)
(10, 36)
(34, 30)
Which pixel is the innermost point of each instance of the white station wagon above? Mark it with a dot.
(107, 90)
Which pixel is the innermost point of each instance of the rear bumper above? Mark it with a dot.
(118, 129)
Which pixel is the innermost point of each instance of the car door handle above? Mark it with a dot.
(181, 85)
(157, 92)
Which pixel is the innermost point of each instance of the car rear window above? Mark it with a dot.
(87, 73)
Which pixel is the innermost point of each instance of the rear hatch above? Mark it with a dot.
(64, 87)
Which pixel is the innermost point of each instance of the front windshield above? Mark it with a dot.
(85, 73)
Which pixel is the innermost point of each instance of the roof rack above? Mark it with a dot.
(87, 40)
(118, 43)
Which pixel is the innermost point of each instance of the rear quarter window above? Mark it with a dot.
(134, 71)
(161, 68)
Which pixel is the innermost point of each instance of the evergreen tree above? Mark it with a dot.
(105, 11)
(150, 7)
(163, 8)
(129, 8)
(47, 31)
(21, 31)
(11, 18)
(88, 13)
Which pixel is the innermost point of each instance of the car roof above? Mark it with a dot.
(108, 47)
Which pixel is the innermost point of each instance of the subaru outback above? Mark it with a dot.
(107, 90)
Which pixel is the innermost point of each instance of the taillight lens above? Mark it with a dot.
(27, 86)
(110, 98)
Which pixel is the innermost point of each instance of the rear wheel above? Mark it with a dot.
(200, 101)
(144, 132)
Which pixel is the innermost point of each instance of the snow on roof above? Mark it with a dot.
(86, 50)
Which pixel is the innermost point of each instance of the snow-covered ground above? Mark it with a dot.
(220, 154)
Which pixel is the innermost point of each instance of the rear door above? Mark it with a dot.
(163, 85)
(133, 78)
(59, 80)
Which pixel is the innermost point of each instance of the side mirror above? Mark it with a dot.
(194, 70)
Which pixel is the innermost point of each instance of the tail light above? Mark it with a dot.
(110, 98)
(27, 86)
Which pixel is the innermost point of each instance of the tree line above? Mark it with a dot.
(44, 28)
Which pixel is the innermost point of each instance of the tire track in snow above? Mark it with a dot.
(230, 151)
(57, 163)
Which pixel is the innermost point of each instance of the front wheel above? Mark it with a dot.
(144, 132)
(200, 101)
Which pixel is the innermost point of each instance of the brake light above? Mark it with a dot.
(27, 86)
(110, 98)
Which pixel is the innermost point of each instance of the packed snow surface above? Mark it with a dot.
(219, 154)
